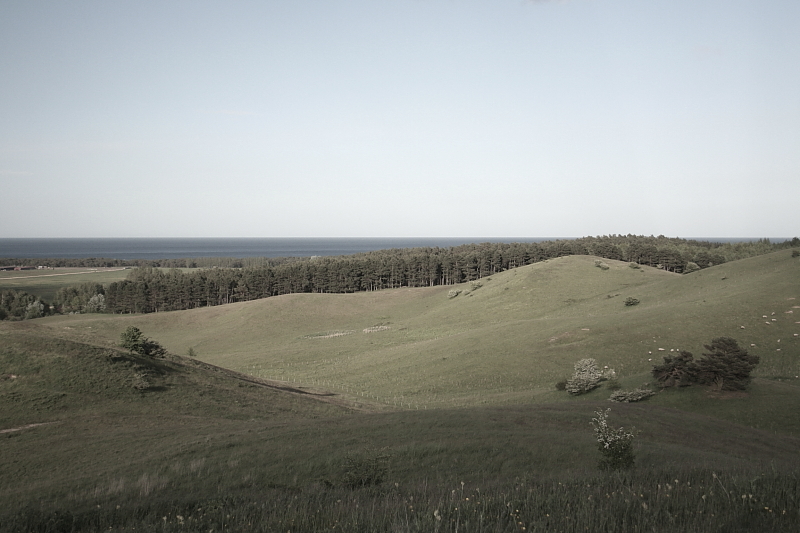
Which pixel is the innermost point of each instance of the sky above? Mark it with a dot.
(399, 118)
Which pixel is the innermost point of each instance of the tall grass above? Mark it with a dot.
(665, 501)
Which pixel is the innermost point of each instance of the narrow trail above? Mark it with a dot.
(20, 428)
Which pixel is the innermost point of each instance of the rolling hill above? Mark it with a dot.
(287, 390)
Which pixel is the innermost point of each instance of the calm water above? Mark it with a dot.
(180, 248)
(273, 247)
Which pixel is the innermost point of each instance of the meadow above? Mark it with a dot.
(445, 403)
(46, 282)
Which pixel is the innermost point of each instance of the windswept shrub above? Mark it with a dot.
(627, 396)
(679, 370)
(587, 377)
(726, 366)
(630, 301)
(615, 445)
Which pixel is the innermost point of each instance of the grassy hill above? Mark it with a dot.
(444, 389)
(507, 341)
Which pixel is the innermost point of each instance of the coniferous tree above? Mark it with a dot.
(676, 371)
(726, 365)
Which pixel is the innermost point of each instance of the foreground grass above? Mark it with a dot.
(664, 501)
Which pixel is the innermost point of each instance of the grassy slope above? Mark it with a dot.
(205, 433)
(506, 342)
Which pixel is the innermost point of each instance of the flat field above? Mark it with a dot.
(44, 283)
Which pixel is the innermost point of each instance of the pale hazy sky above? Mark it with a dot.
(415, 118)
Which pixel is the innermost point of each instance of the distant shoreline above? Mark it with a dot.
(176, 248)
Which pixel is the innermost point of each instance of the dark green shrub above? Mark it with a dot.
(132, 339)
(627, 396)
(679, 370)
(727, 366)
(366, 469)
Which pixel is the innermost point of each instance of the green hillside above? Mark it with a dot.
(507, 341)
(288, 391)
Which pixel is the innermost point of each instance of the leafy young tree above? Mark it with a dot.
(615, 445)
(96, 304)
(726, 365)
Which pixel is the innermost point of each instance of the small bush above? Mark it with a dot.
(635, 266)
(795, 253)
(586, 377)
(691, 267)
(627, 396)
(601, 264)
(615, 445)
(561, 385)
(140, 381)
(371, 467)
(191, 352)
(453, 293)
(630, 301)
(132, 339)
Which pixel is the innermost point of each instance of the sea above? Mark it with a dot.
(174, 248)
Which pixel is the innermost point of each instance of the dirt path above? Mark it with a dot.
(11, 430)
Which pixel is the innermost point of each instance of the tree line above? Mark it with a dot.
(152, 290)
(160, 286)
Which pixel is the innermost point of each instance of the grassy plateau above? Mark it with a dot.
(443, 398)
